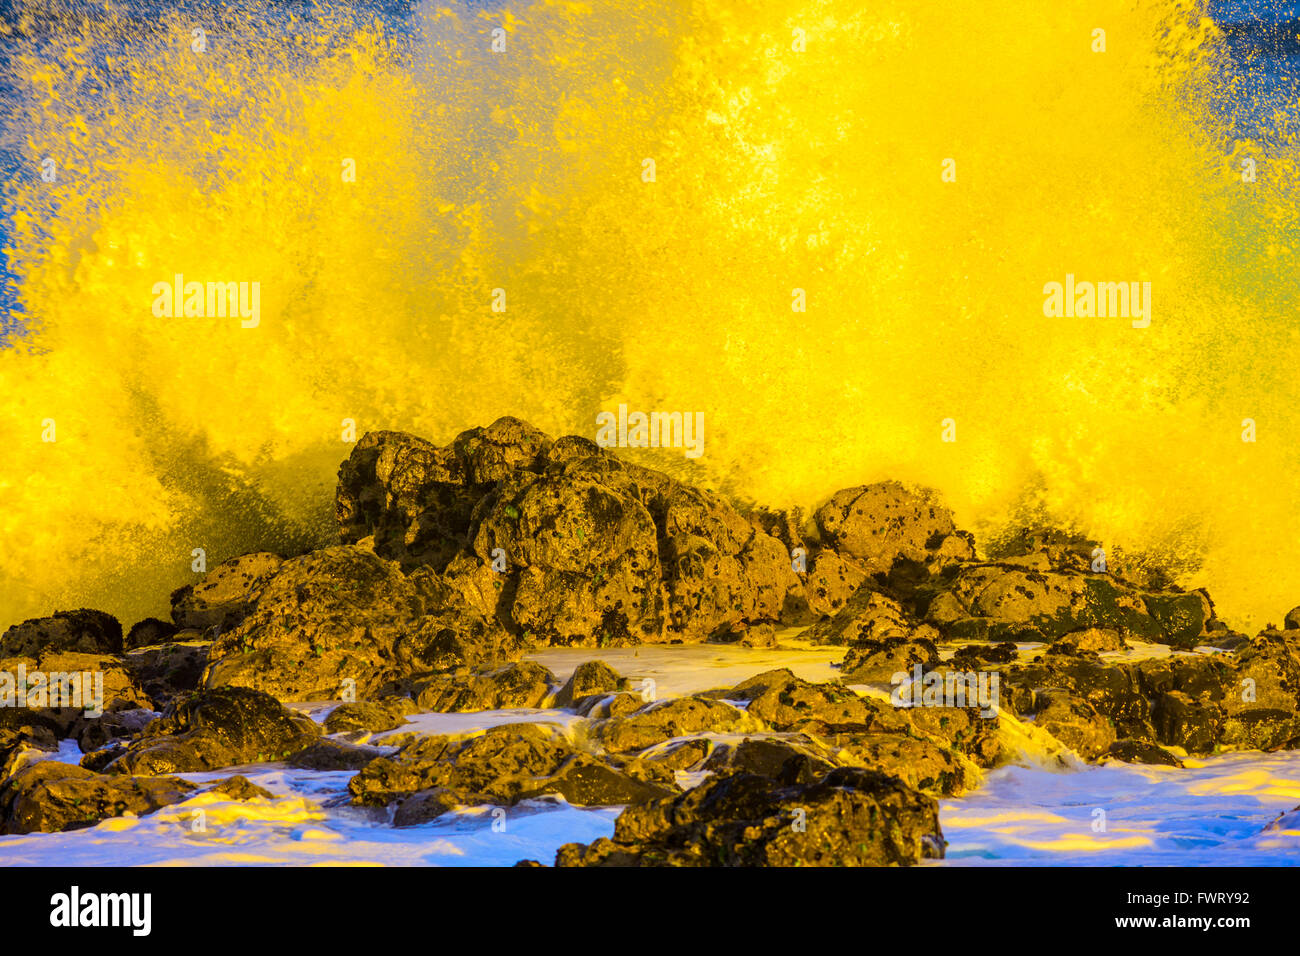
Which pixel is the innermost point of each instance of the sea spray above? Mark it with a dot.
(843, 243)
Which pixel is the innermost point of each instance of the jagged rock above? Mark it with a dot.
(592, 550)
(344, 614)
(165, 671)
(1075, 723)
(770, 756)
(589, 677)
(149, 632)
(881, 522)
(523, 684)
(224, 597)
(879, 661)
(664, 720)
(1091, 640)
(1261, 729)
(83, 631)
(370, 716)
(851, 817)
(1183, 721)
(1292, 620)
(211, 729)
(116, 724)
(831, 580)
(1267, 676)
(603, 706)
(23, 729)
(241, 788)
(502, 766)
(1118, 692)
(326, 754)
(978, 655)
(921, 764)
(868, 616)
(787, 703)
(51, 796)
(1140, 751)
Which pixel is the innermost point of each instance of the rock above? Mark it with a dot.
(921, 764)
(241, 788)
(119, 724)
(51, 796)
(589, 677)
(1267, 676)
(871, 662)
(881, 522)
(225, 595)
(1261, 729)
(1182, 721)
(149, 632)
(21, 730)
(1182, 617)
(787, 703)
(502, 766)
(867, 617)
(667, 719)
(1075, 723)
(165, 671)
(851, 817)
(83, 631)
(212, 729)
(326, 754)
(521, 685)
(830, 582)
(1091, 640)
(1292, 620)
(1116, 692)
(983, 655)
(1140, 751)
(371, 717)
(802, 759)
(346, 614)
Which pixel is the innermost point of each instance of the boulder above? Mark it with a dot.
(51, 796)
(83, 631)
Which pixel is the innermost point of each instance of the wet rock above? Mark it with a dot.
(1140, 751)
(211, 729)
(1292, 620)
(165, 671)
(373, 717)
(1092, 640)
(326, 754)
(83, 631)
(1261, 729)
(830, 582)
(345, 614)
(880, 661)
(149, 632)
(51, 796)
(589, 677)
(664, 720)
(1075, 723)
(224, 597)
(114, 725)
(241, 788)
(881, 522)
(868, 616)
(921, 764)
(787, 703)
(978, 655)
(23, 729)
(680, 755)
(1183, 721)
(521, 685)
(1182, 617)
(851, 817)
(1267, 676)
(603, 706)
(502, 766)
(802, 759)
(1118, 692)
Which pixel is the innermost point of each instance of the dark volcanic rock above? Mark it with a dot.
(326, 754)
(51, 796)
(224, 597)
(240, 787)
(211, 729)
(520, 685)
(664, 720)
(881, 522)
(851, 817)
(1139, 751)
(589, 677)
(165, 671)
(83, 631)
(880, 661)
(149, 632)
(345, 614)
(368, 716)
